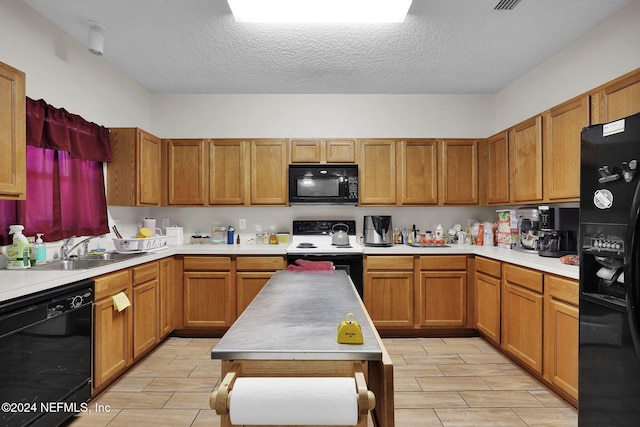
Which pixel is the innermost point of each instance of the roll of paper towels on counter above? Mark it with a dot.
(294, 401)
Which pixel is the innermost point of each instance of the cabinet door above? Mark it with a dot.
(341, 151)
(418, 172)
(377, 172)
(306, 151)
(148, 167)
(562, 127)
(497, 168)
(186, 172)
(459, 169)
(207, 299)
(134, 173)
(388, 297)
(227, 172)
(145, 317)
(166, 310)
(488, 306)
(443, 298)
(13, 166)
(617, 99)
(269, 172)
(248, 284)
(112, 341)
(525, 160)
(522, 324)
(561, 326)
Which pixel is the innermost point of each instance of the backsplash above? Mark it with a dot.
(275, 219)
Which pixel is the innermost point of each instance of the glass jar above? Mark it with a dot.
(219, 235)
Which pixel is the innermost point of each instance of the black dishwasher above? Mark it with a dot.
(45, 355)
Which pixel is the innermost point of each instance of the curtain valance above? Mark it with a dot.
(57, 129)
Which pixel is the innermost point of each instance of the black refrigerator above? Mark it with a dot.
(609, 354)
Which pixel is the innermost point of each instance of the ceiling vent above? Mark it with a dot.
(506, 4)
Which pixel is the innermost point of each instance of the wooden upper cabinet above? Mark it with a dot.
(459, 172)
(616, 99)
(323, 151)
(134, 174)
(227, 172)
(497, 168)
(562, 127)
(525, 161)
(306, 151)
(13, 169)
(268, 172)
(186, 166)
(377, 172)
(417, 172)
(341, 151)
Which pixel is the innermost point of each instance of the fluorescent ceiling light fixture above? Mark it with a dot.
(320, 11)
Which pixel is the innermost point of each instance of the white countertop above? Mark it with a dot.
(17, 283)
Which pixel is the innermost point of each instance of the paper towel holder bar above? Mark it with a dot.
(219, 399)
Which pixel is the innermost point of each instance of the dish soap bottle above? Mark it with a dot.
(40, 250)
(18, 252)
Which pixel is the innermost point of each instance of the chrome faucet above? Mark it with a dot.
(65, 251)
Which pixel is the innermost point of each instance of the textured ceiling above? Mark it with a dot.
(444, 46)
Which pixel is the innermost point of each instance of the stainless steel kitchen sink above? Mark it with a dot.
(91, 261)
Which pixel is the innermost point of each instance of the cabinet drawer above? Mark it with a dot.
(255, 263)
(443, 262)
(207, 263)
(145, 273)
(488, 266)
(389, 263)
(524, 277)
(562, 289)
(112, 283)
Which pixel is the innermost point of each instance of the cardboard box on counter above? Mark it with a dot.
(507, 232)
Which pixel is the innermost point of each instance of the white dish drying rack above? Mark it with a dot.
(135, 244)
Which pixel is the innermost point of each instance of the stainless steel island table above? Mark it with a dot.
(290, 329)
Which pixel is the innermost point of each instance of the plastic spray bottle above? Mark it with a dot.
(18, 252)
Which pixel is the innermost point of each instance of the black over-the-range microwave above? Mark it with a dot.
(323, 184)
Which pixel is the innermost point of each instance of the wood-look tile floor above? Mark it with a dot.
(438, 382)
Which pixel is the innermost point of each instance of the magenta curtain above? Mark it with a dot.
(65, 180)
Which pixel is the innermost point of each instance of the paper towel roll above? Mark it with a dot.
(294, 401)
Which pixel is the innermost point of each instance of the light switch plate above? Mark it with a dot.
(242, 224)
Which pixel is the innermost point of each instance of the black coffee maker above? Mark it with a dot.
(558, 231)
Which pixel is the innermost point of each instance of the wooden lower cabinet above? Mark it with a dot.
(145, 308)
(112, 329)
(166, 297)
(488, 290)
(207, 299)
(253, 273)
(522, 308)
(442, 291)
(561, 326)
(388, 290)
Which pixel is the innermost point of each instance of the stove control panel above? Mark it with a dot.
(323, 227)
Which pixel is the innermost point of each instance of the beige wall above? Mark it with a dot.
(608, 51)
(62, 72)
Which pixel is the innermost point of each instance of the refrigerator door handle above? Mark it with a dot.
(632, 270)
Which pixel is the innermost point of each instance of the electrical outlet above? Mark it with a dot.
(242, 224)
